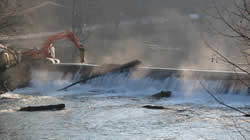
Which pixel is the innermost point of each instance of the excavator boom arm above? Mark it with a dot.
(44, 51)
(68, 34)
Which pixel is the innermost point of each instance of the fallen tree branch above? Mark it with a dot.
(220, 102)
(238, 129)
(119, 69)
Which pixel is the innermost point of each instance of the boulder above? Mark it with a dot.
(153, 107)
(162, 94)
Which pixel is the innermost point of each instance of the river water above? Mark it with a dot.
(110, 108)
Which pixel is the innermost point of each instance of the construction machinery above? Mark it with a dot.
(10, 57)
(16, 65)
(46, 52)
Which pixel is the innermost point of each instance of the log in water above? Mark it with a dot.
(44, 108)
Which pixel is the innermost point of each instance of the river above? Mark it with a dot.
(111, 108)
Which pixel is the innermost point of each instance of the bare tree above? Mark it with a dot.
(236, 18)
(8, 15)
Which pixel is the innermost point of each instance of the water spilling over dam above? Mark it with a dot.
(203, 74)
(111, 106)
(142, 82)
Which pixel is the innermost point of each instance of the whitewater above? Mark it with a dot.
(111, 107)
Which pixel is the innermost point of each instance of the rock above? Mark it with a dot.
(247, 115)
(44, 108)
(153, 107)
(162, 94)
(18, 76)
(2, 91)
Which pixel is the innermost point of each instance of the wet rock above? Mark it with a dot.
(18, 76)
(5, 98)
(153, 107)
(44, 108)
(162, 94)
(247, 115)
(2, 91)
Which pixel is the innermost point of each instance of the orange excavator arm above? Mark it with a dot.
(44, 51)
(68, 34)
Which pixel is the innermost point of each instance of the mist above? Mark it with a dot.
(176, 93)
(161, 33)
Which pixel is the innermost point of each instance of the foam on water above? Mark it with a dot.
(184, 91)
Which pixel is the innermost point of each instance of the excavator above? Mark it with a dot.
(10, 57)
(15, 64)
(47, 51)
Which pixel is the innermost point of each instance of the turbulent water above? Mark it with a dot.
(110, 107)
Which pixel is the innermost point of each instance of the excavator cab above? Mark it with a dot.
(52, 59)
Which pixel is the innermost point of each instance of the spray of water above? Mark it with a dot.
(183, 90)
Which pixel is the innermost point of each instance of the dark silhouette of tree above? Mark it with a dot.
(236, 18)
